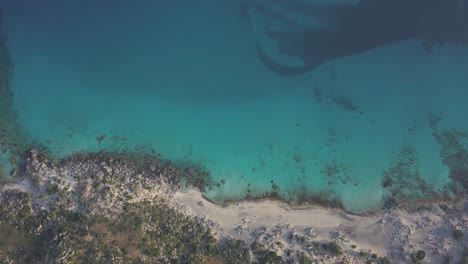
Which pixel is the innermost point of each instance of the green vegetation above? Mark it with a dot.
(458, 234)
(232, 251)
(464, 257)
(15, 241)
(333, 248)
(305, 260)
(373, 258)
(264, 255)
(418, 256)
(363, 254)
(299, 238)
(45, 236)
(52, 188)
(385, 260)
(447, 259)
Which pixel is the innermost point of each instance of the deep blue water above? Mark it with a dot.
(183, 77)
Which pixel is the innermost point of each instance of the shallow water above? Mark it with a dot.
(183, 78)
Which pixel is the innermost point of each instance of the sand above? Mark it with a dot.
(393, 233)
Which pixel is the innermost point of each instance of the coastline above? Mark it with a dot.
(99, 185)
(392, 233)
(103, 186)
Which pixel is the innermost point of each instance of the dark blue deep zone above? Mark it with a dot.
(363, 102)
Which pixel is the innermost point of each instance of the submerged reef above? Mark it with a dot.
(454, 153)
(402, 180)
(12, 138)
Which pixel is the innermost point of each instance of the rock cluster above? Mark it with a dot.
(98, 208)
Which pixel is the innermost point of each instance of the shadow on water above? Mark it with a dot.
(356, 28)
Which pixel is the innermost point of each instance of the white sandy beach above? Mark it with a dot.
(395, 234)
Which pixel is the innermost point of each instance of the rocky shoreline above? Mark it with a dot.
(121, 207)
(96, 209)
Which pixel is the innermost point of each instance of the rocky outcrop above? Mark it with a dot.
(97, 208)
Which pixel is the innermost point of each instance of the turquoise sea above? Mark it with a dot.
(183, 78)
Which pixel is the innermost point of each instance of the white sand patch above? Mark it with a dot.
(395, 234)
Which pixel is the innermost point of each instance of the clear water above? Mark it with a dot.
(182, 77)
